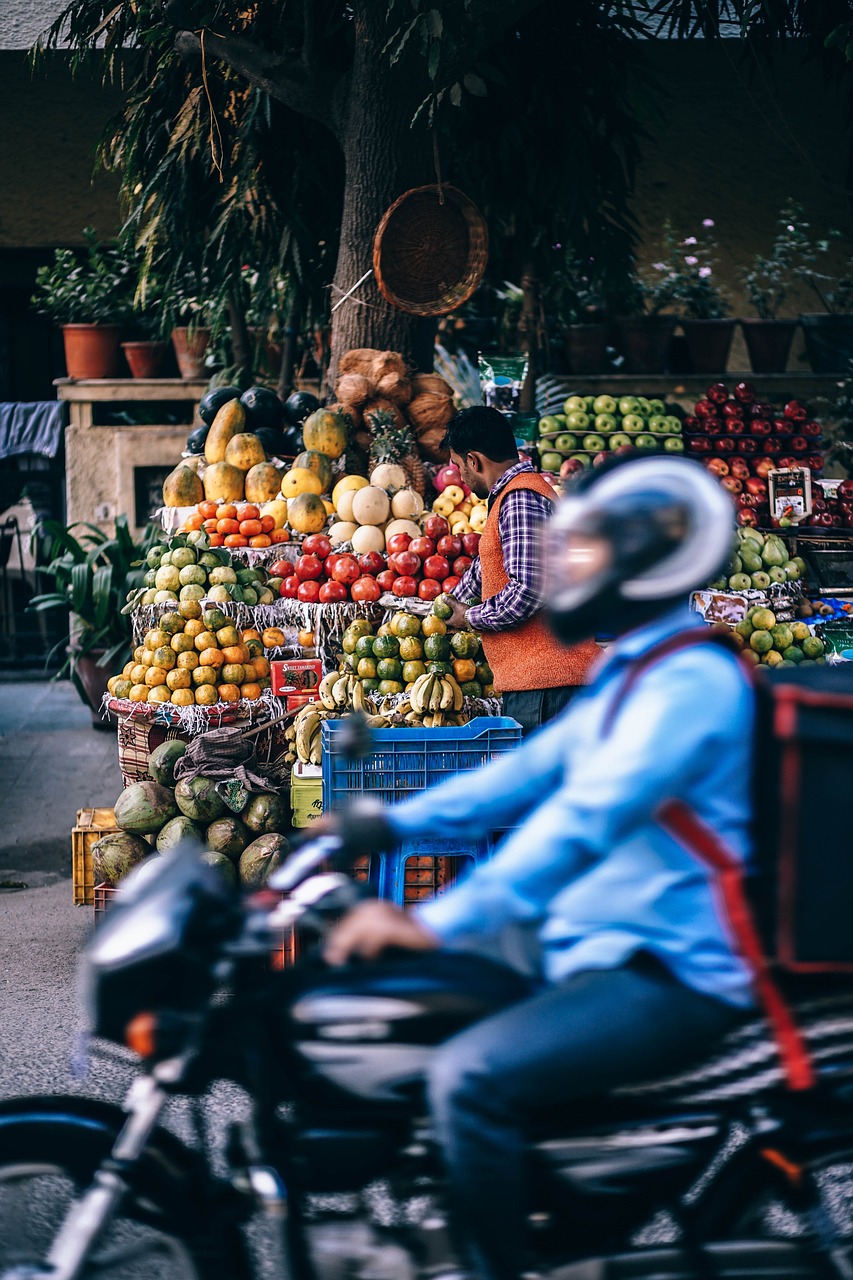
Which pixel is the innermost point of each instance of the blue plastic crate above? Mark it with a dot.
(405, 761)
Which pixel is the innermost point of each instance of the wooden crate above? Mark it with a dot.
(91, 825)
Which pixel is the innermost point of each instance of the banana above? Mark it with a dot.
(341, 691)
(325, 690)
(413, 718)
(458, 695)
(427, 692)
(446, 694)
(315, 749)
(377, 722)
(359, 701)
(415, 694)
(309, 725)
(438, 720)
(435, 695)
(403, 707)
(427, 722)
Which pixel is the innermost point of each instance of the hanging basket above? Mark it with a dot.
(430, 251)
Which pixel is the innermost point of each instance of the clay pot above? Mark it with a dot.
(768, 343)
(94, 679)
(829, 340)
(190, 347)
(91, 350)
(144, 358)
(708, 344)
(586, 348)
(645, 343)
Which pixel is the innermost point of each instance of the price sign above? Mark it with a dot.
(790, 493)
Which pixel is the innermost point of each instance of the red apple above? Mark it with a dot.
(738, 468)
(447, 475)
(366, 588)
(724, 444)
(732, 484)
(346, 570)
(732, 409)
(796, 411)
(769, 445)
(386, 579)
(746, 444)
(799, 445)
(761, 426)
(471, 544)
(763, 467)
(371, 563)
(309, 591)
(308, 568)
(747, 517)
(601, 457)
(782, 464)
(429, 589)
(714, 426)
(450, 584)
(748, 500)
(317, 544)
(848, 522)
(735, 426)
(762, 410)
(569, 468)
(461, 565)
(398, 542)
(811, 428)
(756, 486)
(782, 427)
(698, 444)
(405, 563)
(826, 520)
(436, 527)
(437, 567)
(745, 392)
(718, 393)
(704, 409)
(333, 592)
(717, 466)
(691, 425)
(451, 546)
(422, 547)
(818, 504)
(405, 587)
(845, 490)
(289, 587)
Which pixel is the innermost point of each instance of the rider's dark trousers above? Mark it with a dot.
(496, 1083)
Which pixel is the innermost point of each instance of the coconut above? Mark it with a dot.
(115, 854)
(428, 410)
(429, 445)
(162, 761)
(228, 836)
(145, 807)
(395, 387)
(260, 858)
(385, 362)
(266, 813)
(359, 360)
(222, 865)
(388, 406)
(432, 383)
(353, 388)
(176, 832)
(197, 798)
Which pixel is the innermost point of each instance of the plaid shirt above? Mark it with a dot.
(522, 515)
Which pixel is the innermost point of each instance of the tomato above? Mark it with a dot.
(436, 567)
(405, 563)
(365, 588)
(346, 569)
(471, 544)
(208, 509)
(398, 542)
(236, 540)
(251, 528)
(450, 583)
(371, 563)
(260, 540)
(308, 592)
(422, 547)
(227, 525)
(226, 511)
(317, 544)
(249, 512)
(449, 546)
(308, 567)
(436, 527)
(461, 565)
(333, 593)
(405, 586)
(289, 587)
(429, 589)
(386, 579)
(280, 535)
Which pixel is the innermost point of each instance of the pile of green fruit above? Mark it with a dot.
(188, 568)
(777, 644)
(590, 425)
(759, 560)
(159, 814)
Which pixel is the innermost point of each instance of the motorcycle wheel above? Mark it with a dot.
(35, 1197)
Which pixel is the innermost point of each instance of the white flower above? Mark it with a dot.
(659, 266)
(689, 240)
(789, 228)
(707, 222)
(704, 272)
(691, 261)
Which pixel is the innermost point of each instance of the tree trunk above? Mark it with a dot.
(384, 156)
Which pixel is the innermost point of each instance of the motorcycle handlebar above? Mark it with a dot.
(302, 864)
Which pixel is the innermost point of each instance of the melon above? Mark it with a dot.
(406, 504)
(368, 538)
(326, 432)
(299, 480)
(182, 488)
(306, 513)
(222, 482)
(277, 509)
(388, 475)
(402, 526)
(371, 506)
(244, 451)
(344, 502)
(229, 421)
(342, 531)
(347, 483)
(262, 482)
(311, 460)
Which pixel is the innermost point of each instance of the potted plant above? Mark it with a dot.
(92, 574)
(828, 333)
(196, 310)
(767, 282)
(580, 302)
(644, 326)
(144, 352)
(688, 274)
(89, 295)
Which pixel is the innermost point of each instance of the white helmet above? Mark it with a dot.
(630, 540)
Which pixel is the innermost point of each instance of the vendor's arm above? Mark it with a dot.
(469, 588)
(522, 518)
(660, 747)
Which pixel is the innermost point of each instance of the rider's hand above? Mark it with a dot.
(371, 927)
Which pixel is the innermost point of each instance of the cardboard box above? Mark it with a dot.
(295, 675)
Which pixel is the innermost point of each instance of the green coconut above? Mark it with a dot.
(261, 858)
(145, 807)
(197, 799)
(115, 854)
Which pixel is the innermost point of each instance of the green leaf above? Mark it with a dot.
(433, 59)
(456, 94)
(435, 23)
(475, 85)
(81, 591)
(102, 594)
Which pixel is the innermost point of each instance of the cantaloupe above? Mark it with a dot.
(229, 421)
(407, 504)
(244, 451)
(263, 482)
(182, 488)
(343, 503)
(342, 531)
(311, 460)
(306, 513)
(402, 526)
(278, 510)
(368, 538)
(326, 432)
(223, 483)
(349, 482)
(388, 475)
(371, 506)
(300, 480)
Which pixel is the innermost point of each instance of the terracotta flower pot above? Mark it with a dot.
(586, 348)
(94, 680)
(708, 344)
(768, 343)
(829, 340)
(144, 358)
(645, 343)
(190, 347)
(91, 350)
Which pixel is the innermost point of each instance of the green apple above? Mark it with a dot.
(657, 407)
(552, 462)
(605, 422)
(566, 442)
(548, 424)
(673, 424)
(628, 404)
(589, 401)
(645, 441)
(578, 420)
(594, 444)
(633, 422)
(574, 404)
(618, 440)
(674, 444)
(739, 582)
(658, 423)
(604, 404)
(584, 459)
(561, 418)
(645, 406)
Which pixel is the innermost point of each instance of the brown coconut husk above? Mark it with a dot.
(429, 445)
(395, 387)
(363, 440)
(385, 362)
(431, 383)
(429, 410)
(353, 388)
(359, 360)
(350, 412)
(381, 403)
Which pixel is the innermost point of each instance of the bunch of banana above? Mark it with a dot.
(307, 725)
(431, 693)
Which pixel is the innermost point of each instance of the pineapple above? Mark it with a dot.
(391, 442)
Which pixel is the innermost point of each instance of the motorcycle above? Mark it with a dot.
(716, 1172)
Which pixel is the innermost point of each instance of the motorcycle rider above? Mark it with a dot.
(639, 968)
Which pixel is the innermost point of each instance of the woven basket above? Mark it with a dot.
(430, 251)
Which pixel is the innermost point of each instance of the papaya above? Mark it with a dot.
(182, 487)
(222, 482)
(262, 483)
(244, 451)
(144, 808)
(325, 432)
(230, 420)
(213, 401)
(311, 460)
(306, 513)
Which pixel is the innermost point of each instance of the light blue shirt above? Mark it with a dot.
(588, 864)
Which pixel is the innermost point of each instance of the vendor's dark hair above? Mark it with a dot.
(481, 430)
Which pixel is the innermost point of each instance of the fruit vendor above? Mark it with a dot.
(621, 813)
(502, 594)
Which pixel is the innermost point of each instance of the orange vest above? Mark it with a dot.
(526, 657)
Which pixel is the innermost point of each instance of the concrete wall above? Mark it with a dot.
(23, 21)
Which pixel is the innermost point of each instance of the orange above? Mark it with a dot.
(209, 525)
(251, 528)
(464, 669)
(178, 678)
(279, 535)
(250, 691)
(139, 693)
(205, 640)
(155, 676)
(248, 512)
(206, 695)
(211, 658)
(236, 540)
(273, 637)
(250, 633)
(262, 666)
(226, 511)
(234, 653)
(193, 627)
(195, 521)
(216, 539)
(260, 540)
(227, 526)
(204, 675)
(229, 692)
(207, 509)
(188, 661)
(267, 524)
(306, 639)
(433, 626)
(182, 698)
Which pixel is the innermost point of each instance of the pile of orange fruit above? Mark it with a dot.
(230, 525)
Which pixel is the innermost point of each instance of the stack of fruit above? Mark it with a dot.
(741, 439)
(758, 561)
(187, 570)
(321, 575)
(194, 657)
(832, 509)
(245, 525)
(777, 644)
(367, 513)
(393, 416)
(305, 732)
(234, 466)
(161, 814)
(591, 427)
(392, 658)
